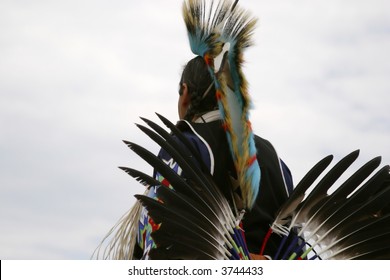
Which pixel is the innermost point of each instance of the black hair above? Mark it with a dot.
(199, 81)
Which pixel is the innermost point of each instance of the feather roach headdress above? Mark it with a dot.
(220, 32)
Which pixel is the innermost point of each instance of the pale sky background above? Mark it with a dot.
(76, 75)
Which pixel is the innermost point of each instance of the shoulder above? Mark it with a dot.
(264, 145)
(195, 139)
(269, 159)
(266, 153)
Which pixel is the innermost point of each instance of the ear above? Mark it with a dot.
(184, 101)
(186, 98)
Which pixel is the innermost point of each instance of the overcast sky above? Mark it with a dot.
(76, 75)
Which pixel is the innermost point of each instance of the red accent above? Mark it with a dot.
(218, 94)
(241, 225)
(266, 238)
(154, 225)
(208, 60)
(249, 124)
(225, 126)
(165, 182)
(252, 160)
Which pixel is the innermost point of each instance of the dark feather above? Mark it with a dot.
(141, 177)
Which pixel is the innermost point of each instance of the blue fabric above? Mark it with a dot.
(287, 177)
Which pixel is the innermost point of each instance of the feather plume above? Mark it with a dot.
(220, 35)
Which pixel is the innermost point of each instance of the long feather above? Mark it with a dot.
(141, 177)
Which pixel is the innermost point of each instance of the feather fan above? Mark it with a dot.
(197, 222)
(328, 221)
(194, 210)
